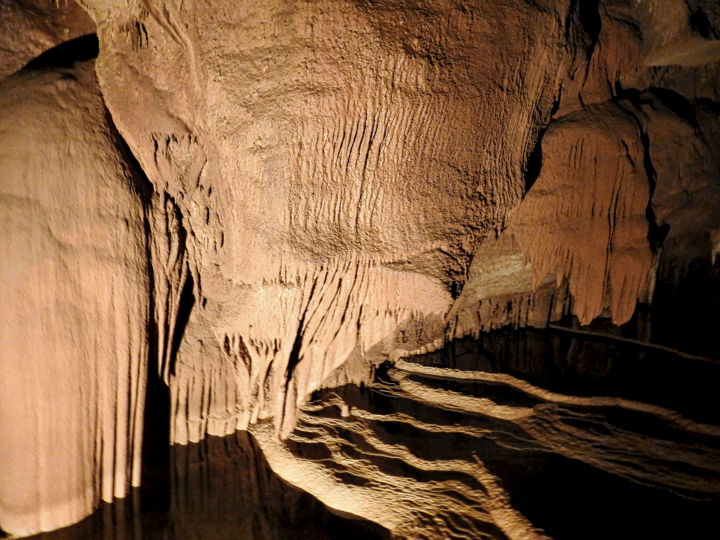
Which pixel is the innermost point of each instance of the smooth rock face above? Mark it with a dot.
(74, 288)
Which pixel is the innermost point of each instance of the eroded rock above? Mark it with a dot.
(333, 184)
(326, 170)
(31, 27)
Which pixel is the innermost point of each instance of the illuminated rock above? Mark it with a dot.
(331, 185)
(324, 173)
(31, 27)
(74, 286)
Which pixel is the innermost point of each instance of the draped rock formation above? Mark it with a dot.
(316, 187)
(323, 174)
(74, 287)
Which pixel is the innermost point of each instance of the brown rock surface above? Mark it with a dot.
(584, 219)
(333, 184)
(583, 223)
(657, 139)
(31, 27)
(325, 172)
(681, 32)
(74, 289)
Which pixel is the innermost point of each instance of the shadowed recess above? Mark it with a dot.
(66, 54)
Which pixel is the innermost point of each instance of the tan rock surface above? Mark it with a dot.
(584, 219)
(31, 27)
(583, 223)
(75, 306)
(327, 170)
(332, 182)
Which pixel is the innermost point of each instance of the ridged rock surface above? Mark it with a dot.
(624, 193)
(74, 287)
(582, 225)
(324, 173)
(332, 184)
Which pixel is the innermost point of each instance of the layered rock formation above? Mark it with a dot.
(329, 183)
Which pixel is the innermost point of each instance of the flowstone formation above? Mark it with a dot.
(75, 289)
(323, 173)
(312, 188)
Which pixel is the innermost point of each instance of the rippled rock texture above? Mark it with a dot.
(481, 440)
(218, 488)
(250, 202)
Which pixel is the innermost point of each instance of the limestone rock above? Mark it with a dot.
(502, 290)
(323, 172)
(583, 223)
(332, 184)
(31, 27)
(74, 286)
(686, 166)
(681, 32)
(584, 219)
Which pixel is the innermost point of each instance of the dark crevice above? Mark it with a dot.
(534, 162)
(294, 358)
(156, 417)
(187, 301)
(584, 16)
(673, 101)
(80, 49)
(677, 103)
(156, 438)
(632, 96)
(589, 18)
(656, 232)
(455, 289)
(533, 165)
(680, 106)
(700, 24)
(155, 450)
(569, 19)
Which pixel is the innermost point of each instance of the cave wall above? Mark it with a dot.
(319, 186)
(327, 171)
(29, 28)
(622, 193)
